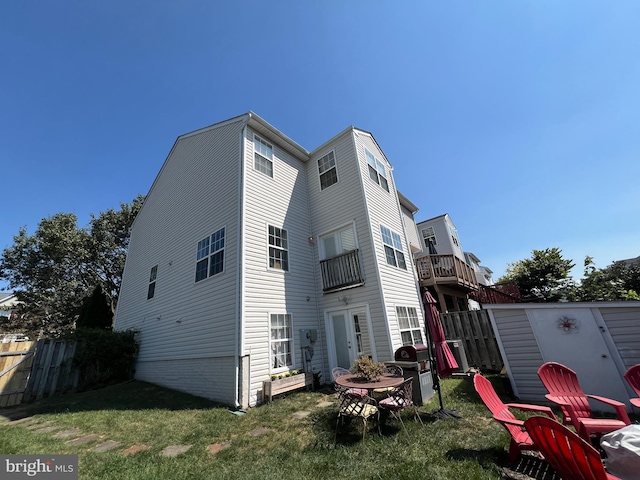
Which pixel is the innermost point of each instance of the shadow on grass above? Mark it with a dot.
(527, 467)
(133, 395)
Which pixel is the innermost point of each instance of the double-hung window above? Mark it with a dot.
(410, 329)
(327, 170)
(152, 282)
(263, 152)
(454, 236)
(280, 340)
(429, 236)
(393, 248)
(377, 171)
(278, 249)
(210, 256)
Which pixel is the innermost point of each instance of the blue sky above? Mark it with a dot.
(520, 119)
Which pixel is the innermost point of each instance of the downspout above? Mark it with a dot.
(239, 269)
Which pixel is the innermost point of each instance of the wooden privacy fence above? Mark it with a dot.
(474, 329)
(37, 369)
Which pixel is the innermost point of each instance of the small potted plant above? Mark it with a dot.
(367, 369)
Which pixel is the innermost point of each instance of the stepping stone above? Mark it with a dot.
(83, 440)
(259, 431)
(33, 426)
(23, 421)
(216, 447)
(106, 446)
(325, 404)
(301, 414)
(135, 449)
(175, 450)
(53, 428)
(68, 433)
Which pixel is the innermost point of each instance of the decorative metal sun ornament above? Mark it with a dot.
(568, 325)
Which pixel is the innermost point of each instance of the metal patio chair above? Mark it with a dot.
(356, 406)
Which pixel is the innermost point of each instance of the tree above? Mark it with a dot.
(54, 269)
(95, 311)
(543, 276)
(618, 281)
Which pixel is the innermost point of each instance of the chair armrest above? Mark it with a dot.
(532, 408)
(510, 421)
(621, 408)
(558, 400)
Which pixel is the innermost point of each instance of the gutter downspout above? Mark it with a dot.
(239, 270)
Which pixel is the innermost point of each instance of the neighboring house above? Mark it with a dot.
(7, 302)
(629, 261)
(442, 266)
(252, 256)
(483, 274)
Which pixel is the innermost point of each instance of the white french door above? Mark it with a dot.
(346, 343)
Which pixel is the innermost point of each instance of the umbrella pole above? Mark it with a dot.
(441, 413)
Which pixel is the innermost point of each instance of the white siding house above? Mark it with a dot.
(245, 239)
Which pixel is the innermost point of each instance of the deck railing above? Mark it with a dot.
(341, 271)
(445, 269)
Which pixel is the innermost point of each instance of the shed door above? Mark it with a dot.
(572, 337)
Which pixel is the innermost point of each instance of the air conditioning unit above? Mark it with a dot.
(457, 348)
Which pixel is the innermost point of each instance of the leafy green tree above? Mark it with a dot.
(618, 281)
(544, 276)
(53, 270)
(95, 311)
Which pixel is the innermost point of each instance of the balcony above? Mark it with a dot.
(446, 270)
(342, 271)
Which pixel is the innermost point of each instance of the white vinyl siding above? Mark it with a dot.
(185, 320)
(266, 290)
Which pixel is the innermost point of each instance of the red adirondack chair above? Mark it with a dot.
(632, 376)
(520, 439)
(565, 390)
(570, 456)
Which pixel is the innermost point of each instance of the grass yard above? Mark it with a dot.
(274, 441)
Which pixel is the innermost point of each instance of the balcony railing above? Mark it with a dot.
(446, 270)
(341, 271)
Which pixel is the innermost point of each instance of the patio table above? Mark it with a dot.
(352, 380)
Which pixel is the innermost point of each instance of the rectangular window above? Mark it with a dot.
(210, 255)
(409, 322)
(393, 248)
(327, 170)
(454, 236)
(263, 156)
(377, 171)
(152, 282)
(281, 340)
(429, 235)
(278, 249)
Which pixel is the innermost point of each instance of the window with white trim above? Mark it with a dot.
(410, 329)
(210, 256)
(278, 249)
(337, 242)
(327, 170)
(280, 339)
(393, 248)
(263, 153)
(152, 282)
(377, 172)
(454, 236)
(429, 235)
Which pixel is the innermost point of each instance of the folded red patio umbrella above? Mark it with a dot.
(445, 361)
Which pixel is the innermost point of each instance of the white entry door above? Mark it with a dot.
(345, 327)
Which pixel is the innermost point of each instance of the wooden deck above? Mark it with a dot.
(446, 270)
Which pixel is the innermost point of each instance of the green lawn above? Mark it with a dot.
(268, 442)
